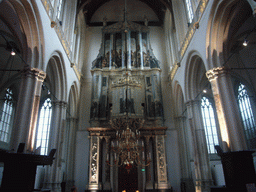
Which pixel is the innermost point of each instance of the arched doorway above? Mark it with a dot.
(127, 180)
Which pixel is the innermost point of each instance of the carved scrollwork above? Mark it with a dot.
(161, 158)
(94, 163)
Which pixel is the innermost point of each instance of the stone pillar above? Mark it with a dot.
(70, 151)
(230, 122)
(161, 176)
(94, 167)
(24, 127)
(201, 159)
(54, 175)
(187, 183)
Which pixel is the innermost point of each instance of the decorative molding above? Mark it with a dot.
(173, 71)
(191, 31)
(198, 15)
(129, 81)
(55, 23)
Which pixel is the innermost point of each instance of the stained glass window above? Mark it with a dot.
(7, 116)
(209, 125)
(247, 116)
(44, 127)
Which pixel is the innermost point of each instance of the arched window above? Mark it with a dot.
(209, 125)
(44, 124)
(59, 9)
(7, 116)
(189, 10)
(247, 116)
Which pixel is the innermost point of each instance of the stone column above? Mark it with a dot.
(24, 127)
(54, 175)
(70, 151)
(161, 176)
(201, 159)
(230, 122)
(186, 177)
(94, 167)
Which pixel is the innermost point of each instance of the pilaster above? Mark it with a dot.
(94, 168)
(161, 180)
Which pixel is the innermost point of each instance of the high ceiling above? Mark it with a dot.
(90, 7)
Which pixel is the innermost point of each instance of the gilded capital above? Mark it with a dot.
(216, 72)
(34, 73)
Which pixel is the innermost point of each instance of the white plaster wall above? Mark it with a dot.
(53, 44)
(93, 39)
(196, 45)
(157, 41)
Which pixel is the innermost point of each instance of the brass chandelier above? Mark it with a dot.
(128, 148)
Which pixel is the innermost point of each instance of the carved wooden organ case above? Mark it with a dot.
(126, 76)
(126, 84)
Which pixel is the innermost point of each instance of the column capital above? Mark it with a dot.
(193, 102)
(39, 74)
(59, 103)
(216, 72)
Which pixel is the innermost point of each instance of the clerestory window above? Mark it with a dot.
(209, 124)
(44, 124)
(190, 12)
(59, 9)
(7, 116)
(247, 116)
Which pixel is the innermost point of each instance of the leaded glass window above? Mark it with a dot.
(209, 124)
(7, 116)
(44, 125)
(247, 116)
(189, 11)
(59, 8)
